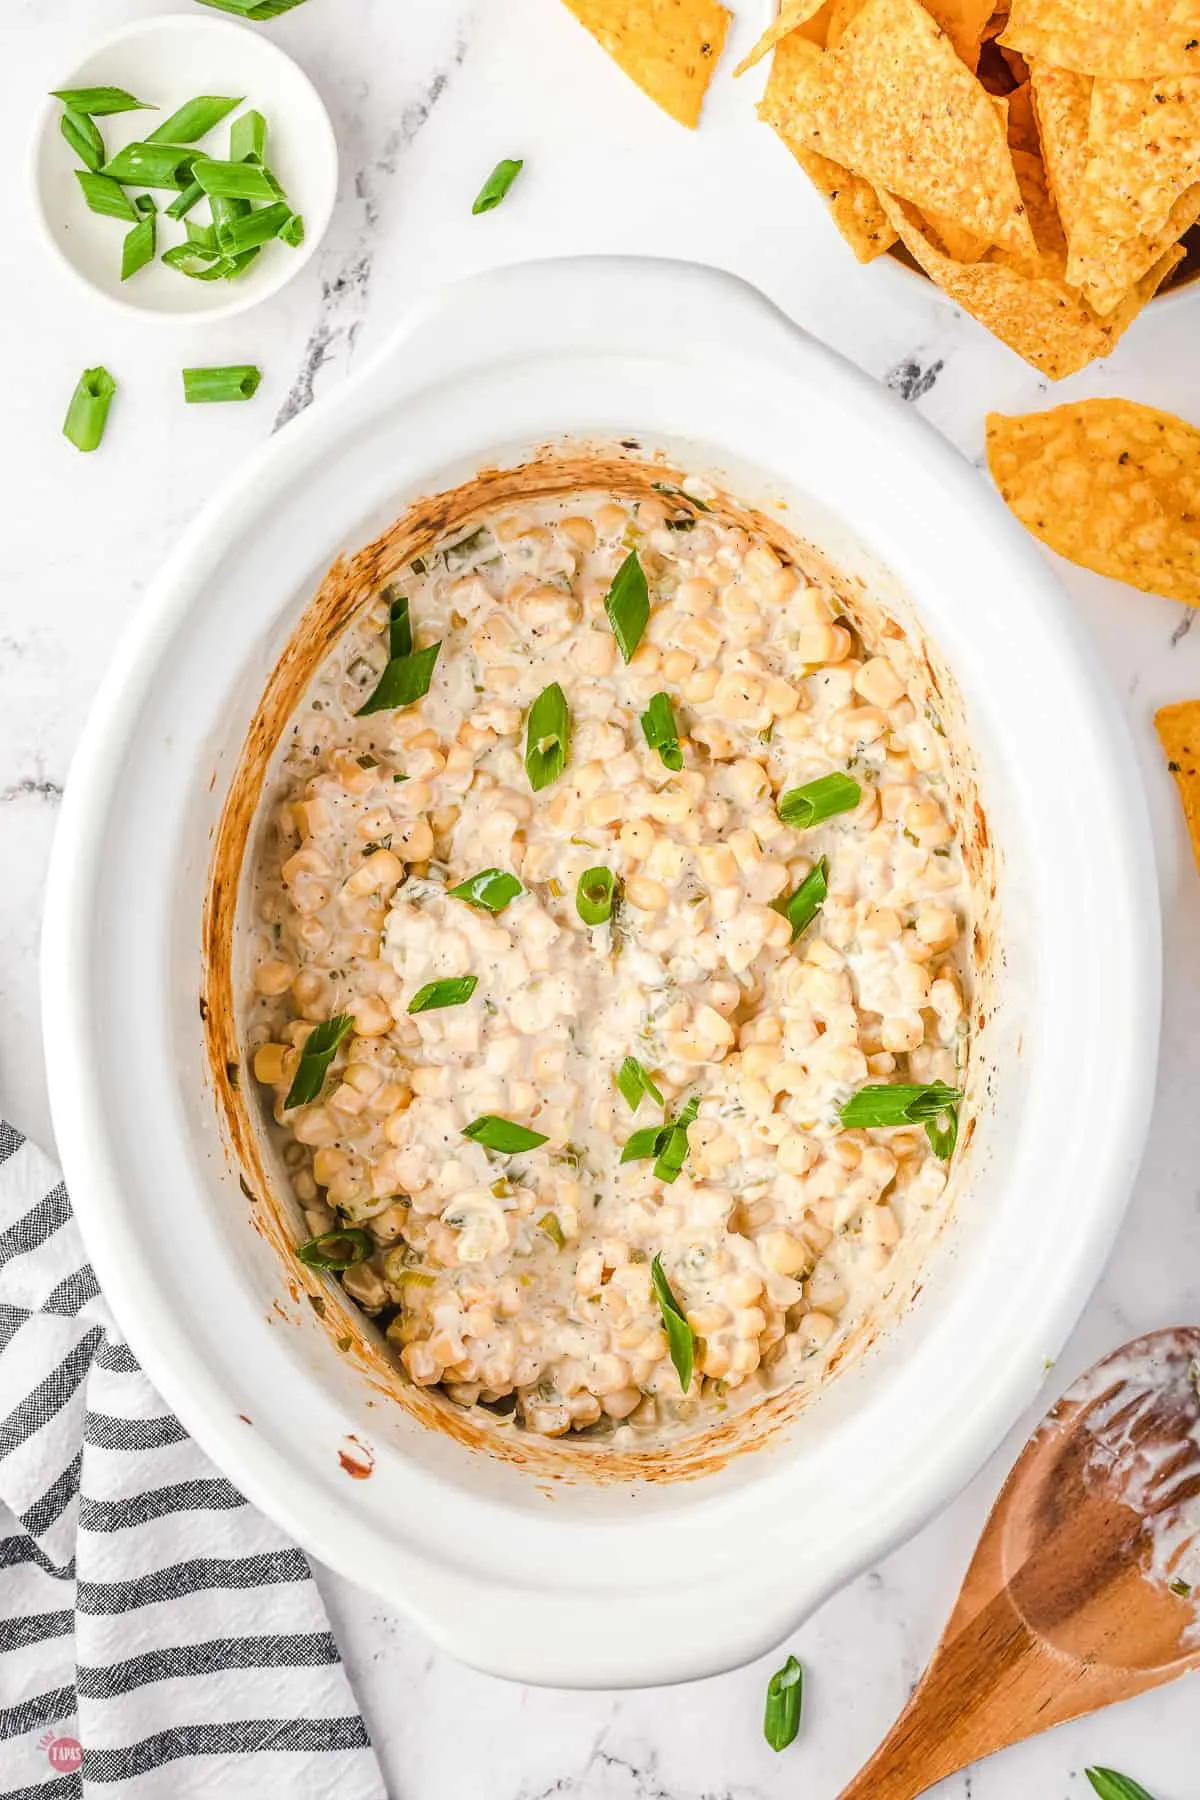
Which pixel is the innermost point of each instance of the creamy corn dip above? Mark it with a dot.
(523, 1282)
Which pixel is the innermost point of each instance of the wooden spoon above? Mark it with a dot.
(1085, 1587)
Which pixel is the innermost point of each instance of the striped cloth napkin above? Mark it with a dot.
(158, 1638)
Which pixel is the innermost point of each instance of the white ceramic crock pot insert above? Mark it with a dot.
(626, 1584)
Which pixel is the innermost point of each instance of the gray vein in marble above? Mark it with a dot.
(344, 297)
(911, 380)
(35, 787)
(1183, 627)
(624, 1777)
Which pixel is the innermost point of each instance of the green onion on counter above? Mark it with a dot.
(497, 185)
(87, 414)
(239, 381)
(785, 1691)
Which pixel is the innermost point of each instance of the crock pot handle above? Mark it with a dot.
(573, 306)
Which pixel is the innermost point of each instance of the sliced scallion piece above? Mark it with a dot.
(497, 184)
(1111, 1786)
(785, 1692)
(248, 137)
(490, 890)
(894, 1103)
(87, 414)
(236, 180)
(547, 736)
(658, 723)
(455, 991)
(404, 680)
(138, 248)
(644, 1145)
(636, 1085)
(152, 165)
(203, 236)
(678, 493)
(673, 1153)
(595, 895)
(194, 120)
(339, 1249)
(83, 135)
(400, 637)
(253, 9)
(680, 1338)
(819, 800)
(553, 1230)
(106, 196)
(201, 264)
(802, 907)
(292, 233)
(185, 200)
(503, 1135)
(627, 604)
(320, 1048)
(250, 229)
(239, 381)
(101, 100)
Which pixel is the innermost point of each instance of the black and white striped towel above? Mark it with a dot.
(157, 1636)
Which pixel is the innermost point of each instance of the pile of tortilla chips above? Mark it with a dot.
(668, 47)
(1039, 164)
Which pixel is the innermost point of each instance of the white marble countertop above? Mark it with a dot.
(426, 95)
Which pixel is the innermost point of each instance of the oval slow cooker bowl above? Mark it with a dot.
(633, 1582)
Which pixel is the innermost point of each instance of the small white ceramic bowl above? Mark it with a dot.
(168, 60)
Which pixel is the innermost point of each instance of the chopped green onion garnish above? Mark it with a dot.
(236, 180)
(454, 992)
(184, 201)
(503, 1135)
(635, 1084)
(883, 1104)
(292, 233)
(106, 196)
(644, 1145)
(595, 895)
(101, 100)
(138, 248)
(490, 890)
(497, 185)
(404, 680)
(802, 907)
(400, 637)
(199, 263)
(253, 9)
(673, 1154)
(203, 236)
(819, 800)
(658, 723)
(87, 414)
(193, 120)
(252, 228)
(547, 735)
(152, 165)
(237, 382)
(336, 1250)
(553, 1230)
(248, 137)
(83, 135)
(320, 1048)
(785, 1690)
(678, 493)
(627, 604)
(1111, 1786)
(680, 1339)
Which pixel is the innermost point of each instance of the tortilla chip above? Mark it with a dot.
(791, 15)
(1022, 125)
(668, 47)
(959, 245)
(964, 22)
(853, 202)
(1178, 729)
(894, 103)
(1143, 151)
(1119, 39)
(1039, 205)
(1109, 484)
(1038, 316)
(841, 15)
(1062, 103)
